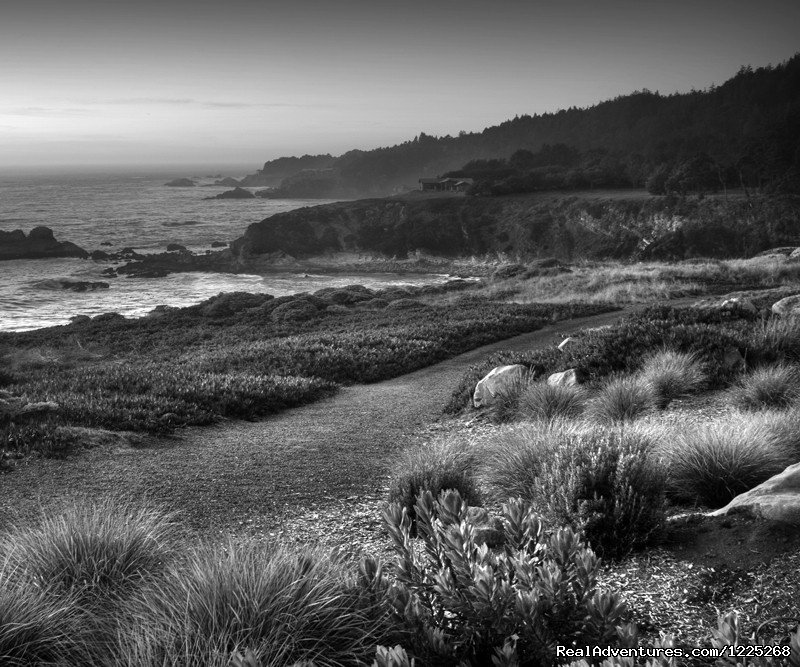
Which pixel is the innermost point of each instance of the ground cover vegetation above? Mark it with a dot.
(243, 355)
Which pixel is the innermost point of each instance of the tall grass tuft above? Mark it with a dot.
(774, 386)
(505, 405)
(672, 374)
(775, 338)
(98, 552)
(446, 463)
(540, 401)
(35, 628)
(280, 606)
(622, 399)
(714, 462)
(602, 481)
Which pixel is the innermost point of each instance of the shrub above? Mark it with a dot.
(544, 402)
(297, 310)
(93, 552)
(714, 462)
(603, 482)
(441, 465)
(622, 399)
(405, 304)
(278, 605)
(672, 374)
(463, 604)
(775, 386)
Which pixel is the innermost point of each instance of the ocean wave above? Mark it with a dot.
(180, 223)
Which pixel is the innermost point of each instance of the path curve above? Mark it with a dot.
(253, 474)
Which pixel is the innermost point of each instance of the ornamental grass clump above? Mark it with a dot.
(97, 554)
(672, 374)
(711, 463)
(622, 399)
(35, 628)
(540, 401)
(460, 603)
(274, 604)
(436, 466)
(774, 386)
(604, 482)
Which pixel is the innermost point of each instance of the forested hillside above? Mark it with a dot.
(743, 133)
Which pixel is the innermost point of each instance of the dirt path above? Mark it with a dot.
(252, 475)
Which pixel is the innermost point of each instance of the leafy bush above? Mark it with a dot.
(672, 374)
(775, 386)
(435, 467)
(103, 551)
(463, 604)
(603, 482)
(297, 310)
(280, 606)
(713, 462)
(622, 399)
(544, 402)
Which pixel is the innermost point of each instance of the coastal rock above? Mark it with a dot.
(495, 381)
(181, 183)
(99, 255)
(228, 182)
(173, 247)
(795, 254)
(787, 307)
(162, 264)
(568, 378)
(73, 285)
(777, 499)
(38, 244)
(219, 244)
(236, 193)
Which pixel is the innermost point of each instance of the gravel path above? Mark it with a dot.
(316, 463)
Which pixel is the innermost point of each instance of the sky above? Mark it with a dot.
(239, 82)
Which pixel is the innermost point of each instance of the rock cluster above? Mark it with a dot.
(38, 244)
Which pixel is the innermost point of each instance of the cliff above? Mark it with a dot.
(625, 225)
(38, 244)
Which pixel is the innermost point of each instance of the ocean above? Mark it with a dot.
(113, 211)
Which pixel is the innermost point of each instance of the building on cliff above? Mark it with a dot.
(445, 184)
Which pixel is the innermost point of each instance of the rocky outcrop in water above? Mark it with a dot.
(38, 244)
(236, 193)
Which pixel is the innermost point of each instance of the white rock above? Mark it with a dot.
(777, 499)
(495, 381)
(566, 343)
(568, 378)
(788, 307)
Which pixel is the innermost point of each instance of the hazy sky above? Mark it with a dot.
(234, 81)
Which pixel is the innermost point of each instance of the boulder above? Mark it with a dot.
(38, 244)
(236, 193)
(568, 378)
(795, 254)
(787, 307)
(495, 381)
(739, 305)
(777, 499)
(488, 529)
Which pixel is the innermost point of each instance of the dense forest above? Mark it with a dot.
(744, 133)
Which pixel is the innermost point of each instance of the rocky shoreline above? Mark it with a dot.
(38, 244)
